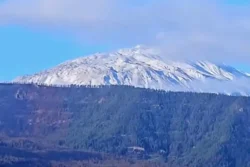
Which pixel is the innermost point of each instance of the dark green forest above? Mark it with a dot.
(121, 126)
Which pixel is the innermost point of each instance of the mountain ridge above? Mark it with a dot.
(140, 67)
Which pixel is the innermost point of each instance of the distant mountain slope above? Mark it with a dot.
(141, 67)
(180, 129)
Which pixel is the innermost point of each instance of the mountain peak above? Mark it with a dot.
(140, 47)
(140, 66)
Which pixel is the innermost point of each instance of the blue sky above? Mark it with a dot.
(237, 2)
(31, 41)
(25, 51)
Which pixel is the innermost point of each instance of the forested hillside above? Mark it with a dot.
(49, 126)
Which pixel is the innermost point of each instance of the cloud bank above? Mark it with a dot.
(237, 86)
(182, 29)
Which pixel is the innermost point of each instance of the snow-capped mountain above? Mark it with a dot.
(143, 67)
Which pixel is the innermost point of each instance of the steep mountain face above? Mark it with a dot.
(178, 129)
(143, 67)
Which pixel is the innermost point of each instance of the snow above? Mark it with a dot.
(141, 67)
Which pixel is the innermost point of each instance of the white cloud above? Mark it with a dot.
(183, 29)
(236, 86)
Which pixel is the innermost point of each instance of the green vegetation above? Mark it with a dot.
(178, 129)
